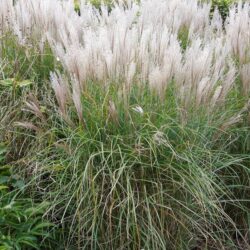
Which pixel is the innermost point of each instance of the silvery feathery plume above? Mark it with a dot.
(238, 22)
(59, 85)
(6, 15)
(27, 125)
(113, 114)
(245, 78)
(76, 96)
(32, 105)
(137, 43)
(138, 109)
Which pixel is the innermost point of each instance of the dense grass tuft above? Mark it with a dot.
(111, 152)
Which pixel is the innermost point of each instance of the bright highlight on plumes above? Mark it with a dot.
(138, 44)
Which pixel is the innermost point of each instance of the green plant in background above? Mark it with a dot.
(7, 180)
(24, 64)
(183, 38)
(95, 3)
(22, 225)
(21, 219)
(223, 7)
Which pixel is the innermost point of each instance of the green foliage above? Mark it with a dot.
(21, 62)
(223, 7)
(21, 220)
(137, 173)
(128, 178)
(183, 38)
(12, 83)
(96, 3)
(21, 223)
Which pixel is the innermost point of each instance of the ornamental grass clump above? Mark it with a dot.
(130, 120)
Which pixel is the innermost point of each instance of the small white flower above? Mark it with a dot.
(58, 59)
(138, 109)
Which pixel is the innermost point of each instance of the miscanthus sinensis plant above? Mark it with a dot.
(134, 123)
(132, 44)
